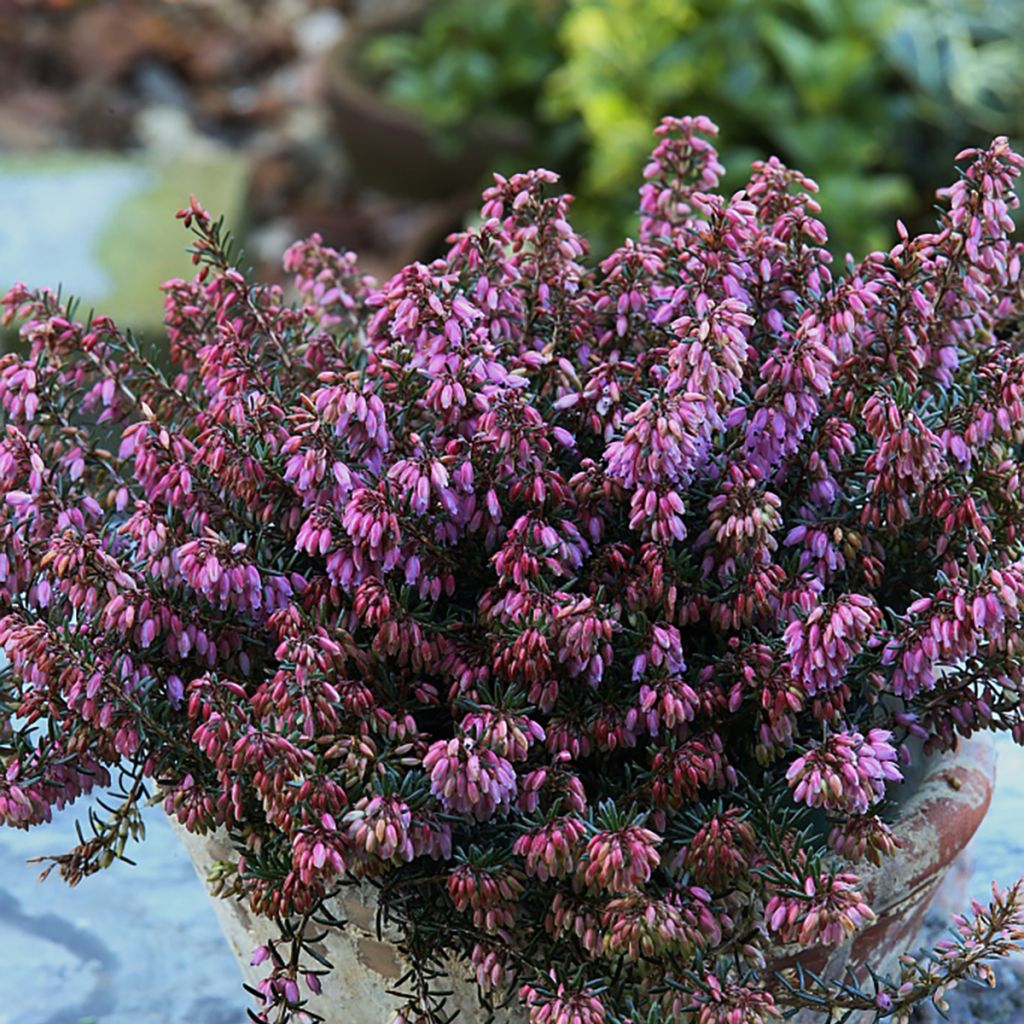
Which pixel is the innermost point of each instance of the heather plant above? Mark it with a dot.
(586, 614)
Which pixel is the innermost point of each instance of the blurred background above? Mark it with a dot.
(376, 123)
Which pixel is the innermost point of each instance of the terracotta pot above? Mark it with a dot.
(392, 148)
(935, 825)
(365, 966)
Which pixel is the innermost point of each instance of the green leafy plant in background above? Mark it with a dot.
(865, 95)
(963, 55)
(459, 61)
(799, 77)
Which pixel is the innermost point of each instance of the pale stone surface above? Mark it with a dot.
(40, 242)
(131, 945)
(104, 228)
(995, 855)
(998, 847)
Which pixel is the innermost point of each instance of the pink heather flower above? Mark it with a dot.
(668, 703)
(280, 991)
(28, 797)
(491, 895)
(306, 468)
(819, 550)
(828, 911)
(864, 838)
(509, 736)
(618, 862)
(550, 785)
(359, 419)
(373, 528)
(584, 637)
(432, 836)
(491, 966)
(822, 645)
(742, 518)
(711, 356)
(225, 576)
(551, 850)
(907, 458)
(664, 652)
(846, 772)
(565, 1006)
(327, 279)
(571, 915)
(682, 163)
(721, 851)
(318, 851)
(533, 545)
(422, 480)
(316, 535)
(723, 1001)
(380, 826)
(681, 770)
(527, 657)
(468, 780)
(947, 628)
(194, 807)
(639, 927)
(661, 443)
(796, 376)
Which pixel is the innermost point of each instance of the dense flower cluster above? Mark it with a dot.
(825, 909)
(553, 595)
(847, 772)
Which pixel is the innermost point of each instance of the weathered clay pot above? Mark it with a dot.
(365, 968)
(935, 825)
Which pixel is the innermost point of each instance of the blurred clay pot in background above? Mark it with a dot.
(394, 149)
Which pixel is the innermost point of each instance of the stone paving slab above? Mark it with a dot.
(130, 945)
(995, 855)
(998, 847)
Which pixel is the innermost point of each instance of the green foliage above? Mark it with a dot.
(468, 61)
(866, 96)
(862, 94)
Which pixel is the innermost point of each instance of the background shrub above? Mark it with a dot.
(866, 96)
